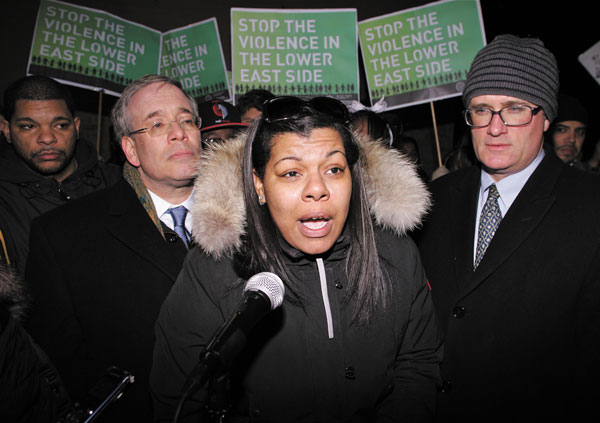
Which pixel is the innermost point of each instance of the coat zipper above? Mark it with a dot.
(325, 294)
(62, 193)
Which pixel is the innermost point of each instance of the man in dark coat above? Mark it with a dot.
(100, 268)
(522, 311)
(43, 164)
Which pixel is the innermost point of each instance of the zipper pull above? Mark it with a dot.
(62, 193)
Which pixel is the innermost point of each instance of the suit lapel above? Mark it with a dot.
(465, 210)
(523, 217)
(132, 226)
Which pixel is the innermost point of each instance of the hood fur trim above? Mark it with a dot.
(13, 294)
(398, 197)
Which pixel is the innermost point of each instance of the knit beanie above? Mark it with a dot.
(516, 67)
(569, 108)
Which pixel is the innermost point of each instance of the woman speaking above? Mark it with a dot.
(303, 197)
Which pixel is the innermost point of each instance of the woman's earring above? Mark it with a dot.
(261, 200)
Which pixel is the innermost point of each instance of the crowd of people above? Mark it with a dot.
(472, 295)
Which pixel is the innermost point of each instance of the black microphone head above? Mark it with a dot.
(269, 284)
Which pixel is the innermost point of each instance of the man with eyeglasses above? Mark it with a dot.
(511, 249)
(100, 268)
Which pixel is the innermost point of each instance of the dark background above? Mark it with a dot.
(567, 29)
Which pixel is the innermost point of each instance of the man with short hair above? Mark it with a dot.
(43, 164)
(220, 121)
(100, 268)
(251, 103)
(512, 252)
(568, 130)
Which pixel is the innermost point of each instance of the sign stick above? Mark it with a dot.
(437, 140)
(99, 123)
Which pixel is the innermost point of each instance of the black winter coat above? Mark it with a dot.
(523, 329)
(292, 370)
(99, 271)
(30, 388)
(25, 194)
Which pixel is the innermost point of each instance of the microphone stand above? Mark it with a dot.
(219, 399)
(205, 373)
(217, 357)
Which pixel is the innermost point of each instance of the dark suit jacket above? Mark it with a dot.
(99, 271)
(523, 330)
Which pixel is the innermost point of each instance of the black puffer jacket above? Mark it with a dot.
(25, 194)
(310, 363)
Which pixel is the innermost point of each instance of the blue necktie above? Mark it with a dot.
(178, 214)
(488, 223)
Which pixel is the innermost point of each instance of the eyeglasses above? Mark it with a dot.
(212, 140)
(161, 127)
(516, 115)
(287, 107)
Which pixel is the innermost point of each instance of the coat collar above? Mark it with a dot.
(531, 205)
(133, 227)
(466, 191)
(398, 198)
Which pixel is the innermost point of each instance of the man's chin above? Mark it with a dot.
(566, 154)
(48, 167)
(567, 158)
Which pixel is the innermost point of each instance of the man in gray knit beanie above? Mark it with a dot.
(511, 249)
(516, 67)
(511, 98)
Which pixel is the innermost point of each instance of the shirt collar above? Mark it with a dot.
(162, 206)
(510, 186)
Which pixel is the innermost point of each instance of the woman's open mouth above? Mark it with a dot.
(315, 226)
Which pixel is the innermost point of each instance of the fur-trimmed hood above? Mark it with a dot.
(398, 197)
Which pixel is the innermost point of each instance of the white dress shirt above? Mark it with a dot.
(165, 217)
(508, 187)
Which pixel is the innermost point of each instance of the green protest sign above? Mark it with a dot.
(304, 53)
(193, 55)
(421, 54)
(91, 48)
(94, 49)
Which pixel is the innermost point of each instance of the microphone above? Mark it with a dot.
(263, 293)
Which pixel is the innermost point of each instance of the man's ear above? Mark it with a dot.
(5, 128)
(259, 187)
(546, 124)
(77, 122)
(128, 146)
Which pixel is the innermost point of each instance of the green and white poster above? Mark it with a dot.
(91, 48)
(304, 53)
(97, 50)
(421, 54)
(193, 55)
